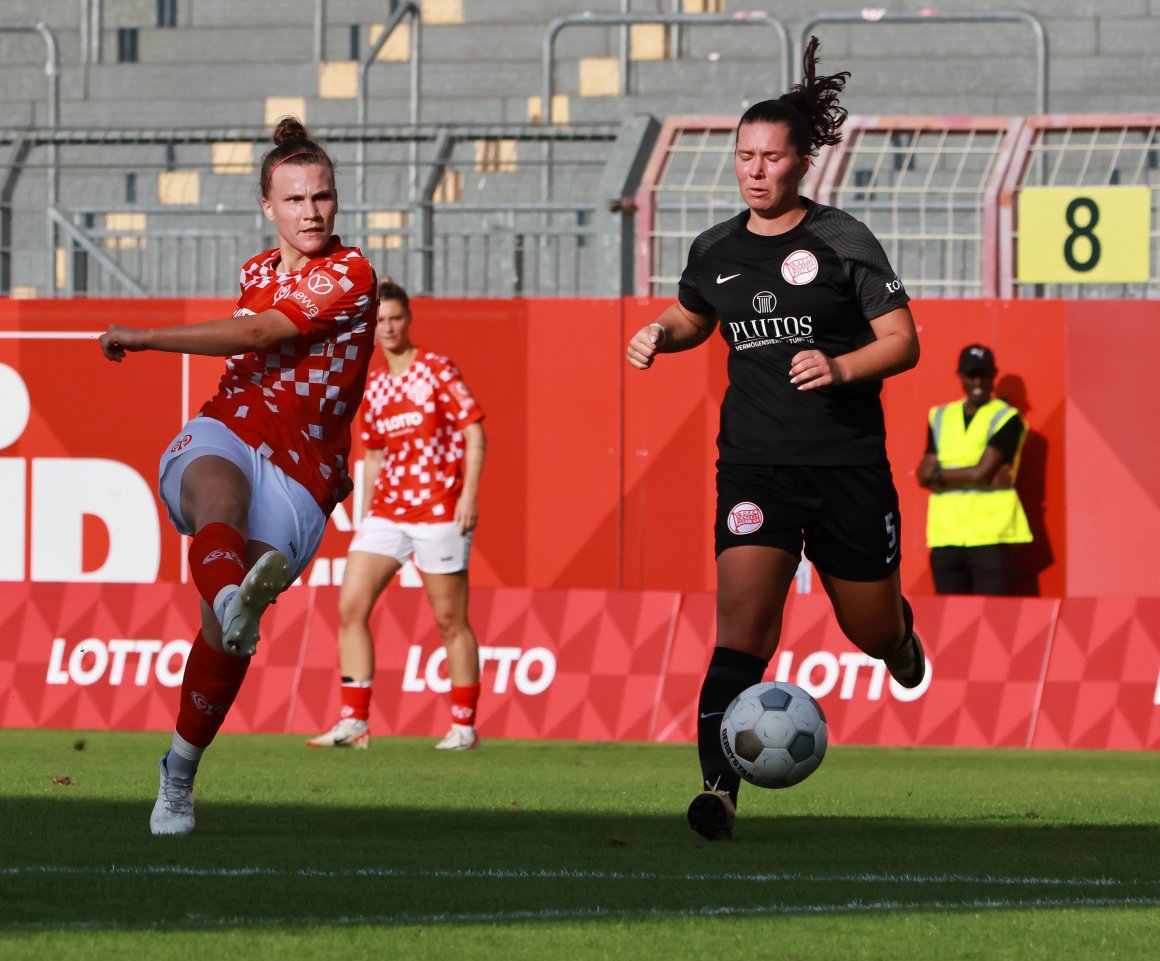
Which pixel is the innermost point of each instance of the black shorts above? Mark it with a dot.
(846, 517)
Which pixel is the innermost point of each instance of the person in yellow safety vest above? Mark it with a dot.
(972, 456)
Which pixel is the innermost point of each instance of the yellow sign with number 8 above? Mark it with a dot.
(1084, 235)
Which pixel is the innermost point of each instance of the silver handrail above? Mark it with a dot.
(319, 29)
(79, 237)
(406, 10)
(52, 72)
(92, 18)
(940, 17)
(754, 19)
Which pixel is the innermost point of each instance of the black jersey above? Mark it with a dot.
(816, 286)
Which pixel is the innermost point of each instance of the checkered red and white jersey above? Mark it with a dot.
(294, 402)
(417, 419)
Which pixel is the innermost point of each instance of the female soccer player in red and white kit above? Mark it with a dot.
(425, 451)
(253, 477)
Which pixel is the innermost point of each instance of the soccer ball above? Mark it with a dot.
(774, 734)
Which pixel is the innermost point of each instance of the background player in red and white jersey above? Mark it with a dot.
(254, 476)
(425, 451)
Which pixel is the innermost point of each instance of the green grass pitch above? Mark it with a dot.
(565, 850)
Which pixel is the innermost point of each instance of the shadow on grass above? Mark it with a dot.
(79, 862)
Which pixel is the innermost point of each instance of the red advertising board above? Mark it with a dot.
(593, 665)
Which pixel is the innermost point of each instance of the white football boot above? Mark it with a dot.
(262, 583)
(461, 737)
(349, 732)
(173, 811)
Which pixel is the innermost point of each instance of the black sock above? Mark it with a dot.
(730, 672)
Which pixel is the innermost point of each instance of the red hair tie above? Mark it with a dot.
(269, 176)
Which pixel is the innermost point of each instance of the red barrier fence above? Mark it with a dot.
(595, 665)
(598, 476)
(597, 498)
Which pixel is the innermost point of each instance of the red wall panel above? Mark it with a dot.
(570, 494)
(1112, 457)
(670, 429)
(600, 476)
(1102, 684)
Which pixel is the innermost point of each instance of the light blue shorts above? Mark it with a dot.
(282, 514)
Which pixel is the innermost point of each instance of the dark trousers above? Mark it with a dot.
(973, 570)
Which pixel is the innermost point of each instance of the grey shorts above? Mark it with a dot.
(282, 514)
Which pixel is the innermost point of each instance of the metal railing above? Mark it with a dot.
(20, 151)
(688, 186)
(931, 17)
(940, 193)
(406, 11)
(547, 90)
(469, 231)
(1080, 156)
(92, 33)
(928, 188)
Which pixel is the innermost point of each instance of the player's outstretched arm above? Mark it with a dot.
(222, 337)
(674, 330)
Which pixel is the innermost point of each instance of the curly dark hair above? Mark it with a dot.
(810, 110)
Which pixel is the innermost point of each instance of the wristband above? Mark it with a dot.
(936, 474)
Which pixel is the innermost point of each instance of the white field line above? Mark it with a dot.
(174, 870)
(599, 913)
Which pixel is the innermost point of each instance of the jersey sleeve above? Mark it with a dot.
(326, 291)
(876, 285)
(689, 289)
(456, 403)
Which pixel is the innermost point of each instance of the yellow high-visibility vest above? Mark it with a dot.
(973, 517)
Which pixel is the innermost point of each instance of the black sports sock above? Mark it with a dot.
(730, 672)
(907, 620)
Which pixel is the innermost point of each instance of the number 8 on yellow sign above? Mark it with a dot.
(1085, 235)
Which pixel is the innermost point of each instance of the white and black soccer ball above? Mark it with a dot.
(774, 734)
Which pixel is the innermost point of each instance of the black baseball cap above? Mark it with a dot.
(977, 359)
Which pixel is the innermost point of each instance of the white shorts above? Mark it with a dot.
(282, 514)
(438, 548)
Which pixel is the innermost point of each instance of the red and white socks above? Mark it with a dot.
(217, 564)
(356, 699)
(464, 700)
(208, 689)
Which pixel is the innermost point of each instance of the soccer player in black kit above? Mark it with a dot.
(815, 318)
